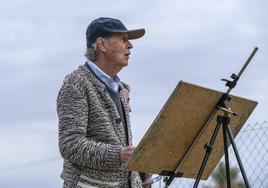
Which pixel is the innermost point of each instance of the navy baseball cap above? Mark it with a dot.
(103, 27)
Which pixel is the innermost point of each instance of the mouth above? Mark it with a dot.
(127, 54)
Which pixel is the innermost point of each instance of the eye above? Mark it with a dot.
(124, 39)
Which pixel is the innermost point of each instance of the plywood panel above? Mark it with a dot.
(179, 122)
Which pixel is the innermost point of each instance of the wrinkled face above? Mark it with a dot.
(126, 94)
(118, 50)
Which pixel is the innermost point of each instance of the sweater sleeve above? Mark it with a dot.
(74, 146)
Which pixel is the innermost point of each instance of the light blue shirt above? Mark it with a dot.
(112, 83)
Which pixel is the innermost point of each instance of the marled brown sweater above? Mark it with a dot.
(90, 135)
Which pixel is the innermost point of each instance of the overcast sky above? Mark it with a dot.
(42, 41)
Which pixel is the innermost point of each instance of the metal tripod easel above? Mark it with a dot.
(222, 120)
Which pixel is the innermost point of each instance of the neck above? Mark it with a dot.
(108, 67)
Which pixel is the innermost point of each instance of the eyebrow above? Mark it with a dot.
(124, 35)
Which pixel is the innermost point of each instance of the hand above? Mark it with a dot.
(126, 152)
(148, 175)
(149, 180)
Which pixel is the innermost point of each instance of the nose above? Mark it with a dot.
(129, 45)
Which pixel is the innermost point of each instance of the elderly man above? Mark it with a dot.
(95, 136)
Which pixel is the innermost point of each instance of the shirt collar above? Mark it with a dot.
(112, 83)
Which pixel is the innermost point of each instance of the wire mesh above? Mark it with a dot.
(252, 146)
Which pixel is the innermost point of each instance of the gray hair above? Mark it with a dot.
(91, 52)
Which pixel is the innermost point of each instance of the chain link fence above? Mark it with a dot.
(252, 145)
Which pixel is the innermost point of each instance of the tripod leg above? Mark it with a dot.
(226, 154)
(208, 148)
(231, 137)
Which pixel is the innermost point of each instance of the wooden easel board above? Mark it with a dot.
(178, 124)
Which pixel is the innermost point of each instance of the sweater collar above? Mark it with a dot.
(112, 83)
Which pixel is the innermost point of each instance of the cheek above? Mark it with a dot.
(115, 51)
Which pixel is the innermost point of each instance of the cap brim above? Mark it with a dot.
(133, 34)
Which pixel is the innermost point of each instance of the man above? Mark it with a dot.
(95, 137)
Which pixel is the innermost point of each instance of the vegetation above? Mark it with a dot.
(219, 177)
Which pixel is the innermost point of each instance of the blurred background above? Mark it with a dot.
(42, 41)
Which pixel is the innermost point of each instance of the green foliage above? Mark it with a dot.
(219, 177)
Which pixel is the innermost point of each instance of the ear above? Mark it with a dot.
(102, 44)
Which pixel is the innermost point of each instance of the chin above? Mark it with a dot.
(125, 63)
(122, 63)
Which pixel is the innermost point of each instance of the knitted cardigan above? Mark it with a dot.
(91, 134)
